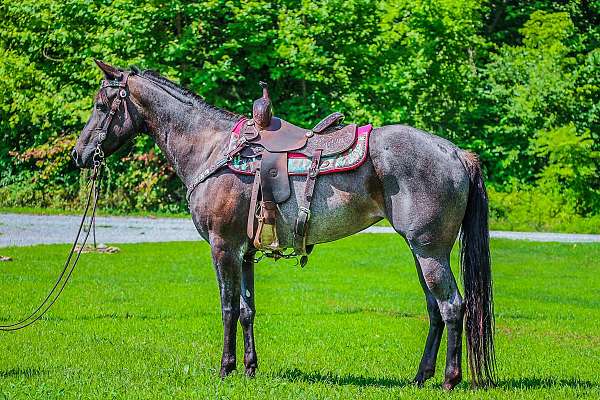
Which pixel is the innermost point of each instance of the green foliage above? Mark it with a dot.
(530, 208)
(566, 193)
(534, 87)
(491, 76)
(571, 174)
(146, 323)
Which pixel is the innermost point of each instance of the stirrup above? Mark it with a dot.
(266, 237)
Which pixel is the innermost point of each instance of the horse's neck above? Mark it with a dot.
(192, 138)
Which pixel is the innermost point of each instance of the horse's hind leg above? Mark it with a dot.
(439, 280)
(436, 328)
(247, 311)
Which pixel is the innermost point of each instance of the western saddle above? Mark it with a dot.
(274, 139)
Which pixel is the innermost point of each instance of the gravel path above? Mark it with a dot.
(25, 230)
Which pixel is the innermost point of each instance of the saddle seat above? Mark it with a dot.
(281, 136)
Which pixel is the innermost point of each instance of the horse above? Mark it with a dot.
(428, 189)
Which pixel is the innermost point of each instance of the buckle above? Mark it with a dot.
(306, 211)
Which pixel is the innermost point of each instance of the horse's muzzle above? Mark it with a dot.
(78, 159)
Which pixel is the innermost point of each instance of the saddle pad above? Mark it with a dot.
(299, 164)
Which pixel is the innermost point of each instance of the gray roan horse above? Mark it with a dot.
(426, 187)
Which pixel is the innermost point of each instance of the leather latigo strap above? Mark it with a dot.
(253, 201)
(301, 227)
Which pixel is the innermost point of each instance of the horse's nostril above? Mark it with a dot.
(74, 155)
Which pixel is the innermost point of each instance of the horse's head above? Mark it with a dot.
(114, 119)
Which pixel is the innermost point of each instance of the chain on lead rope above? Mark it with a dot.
(98, 157)
(98, 160)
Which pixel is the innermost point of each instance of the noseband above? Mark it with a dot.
(114, 107)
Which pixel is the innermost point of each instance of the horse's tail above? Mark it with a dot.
(477, 279)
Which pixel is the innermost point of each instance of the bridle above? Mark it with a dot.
(102, 129)
(121, 84)
(92, 200)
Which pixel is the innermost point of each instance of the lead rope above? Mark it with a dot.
(68, 268)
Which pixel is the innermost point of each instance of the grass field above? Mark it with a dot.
(145, 323)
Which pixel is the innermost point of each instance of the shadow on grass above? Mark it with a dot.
(296, 375)
(21, 372)
(541, 383)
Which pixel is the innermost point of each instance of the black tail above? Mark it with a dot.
(477, 280)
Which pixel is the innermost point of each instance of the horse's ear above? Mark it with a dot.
(110, 72)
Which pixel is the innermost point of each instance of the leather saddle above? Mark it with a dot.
(274, 139)
(281, 138)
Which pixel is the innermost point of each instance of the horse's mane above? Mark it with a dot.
(185, 93)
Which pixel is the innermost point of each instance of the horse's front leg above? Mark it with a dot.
(228, 266)
(247, 311)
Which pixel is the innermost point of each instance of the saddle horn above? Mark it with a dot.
(262, 109)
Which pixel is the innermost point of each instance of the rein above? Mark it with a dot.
(69, 267)
(92, 201)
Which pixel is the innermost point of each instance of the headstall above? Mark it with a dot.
(114, 107)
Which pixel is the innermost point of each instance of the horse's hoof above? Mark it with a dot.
(422, 376)
(226, 370)
(450, 383)
(418, 382)
(251, 371)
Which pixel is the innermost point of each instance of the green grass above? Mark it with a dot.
(145, 323)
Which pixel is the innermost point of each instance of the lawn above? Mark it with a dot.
(145, 323)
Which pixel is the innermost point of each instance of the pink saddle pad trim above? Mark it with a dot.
(238, 126)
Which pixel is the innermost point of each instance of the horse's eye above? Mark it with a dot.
(100, 107)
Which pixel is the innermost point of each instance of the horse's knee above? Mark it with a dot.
(247, 309)
(246, 316)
